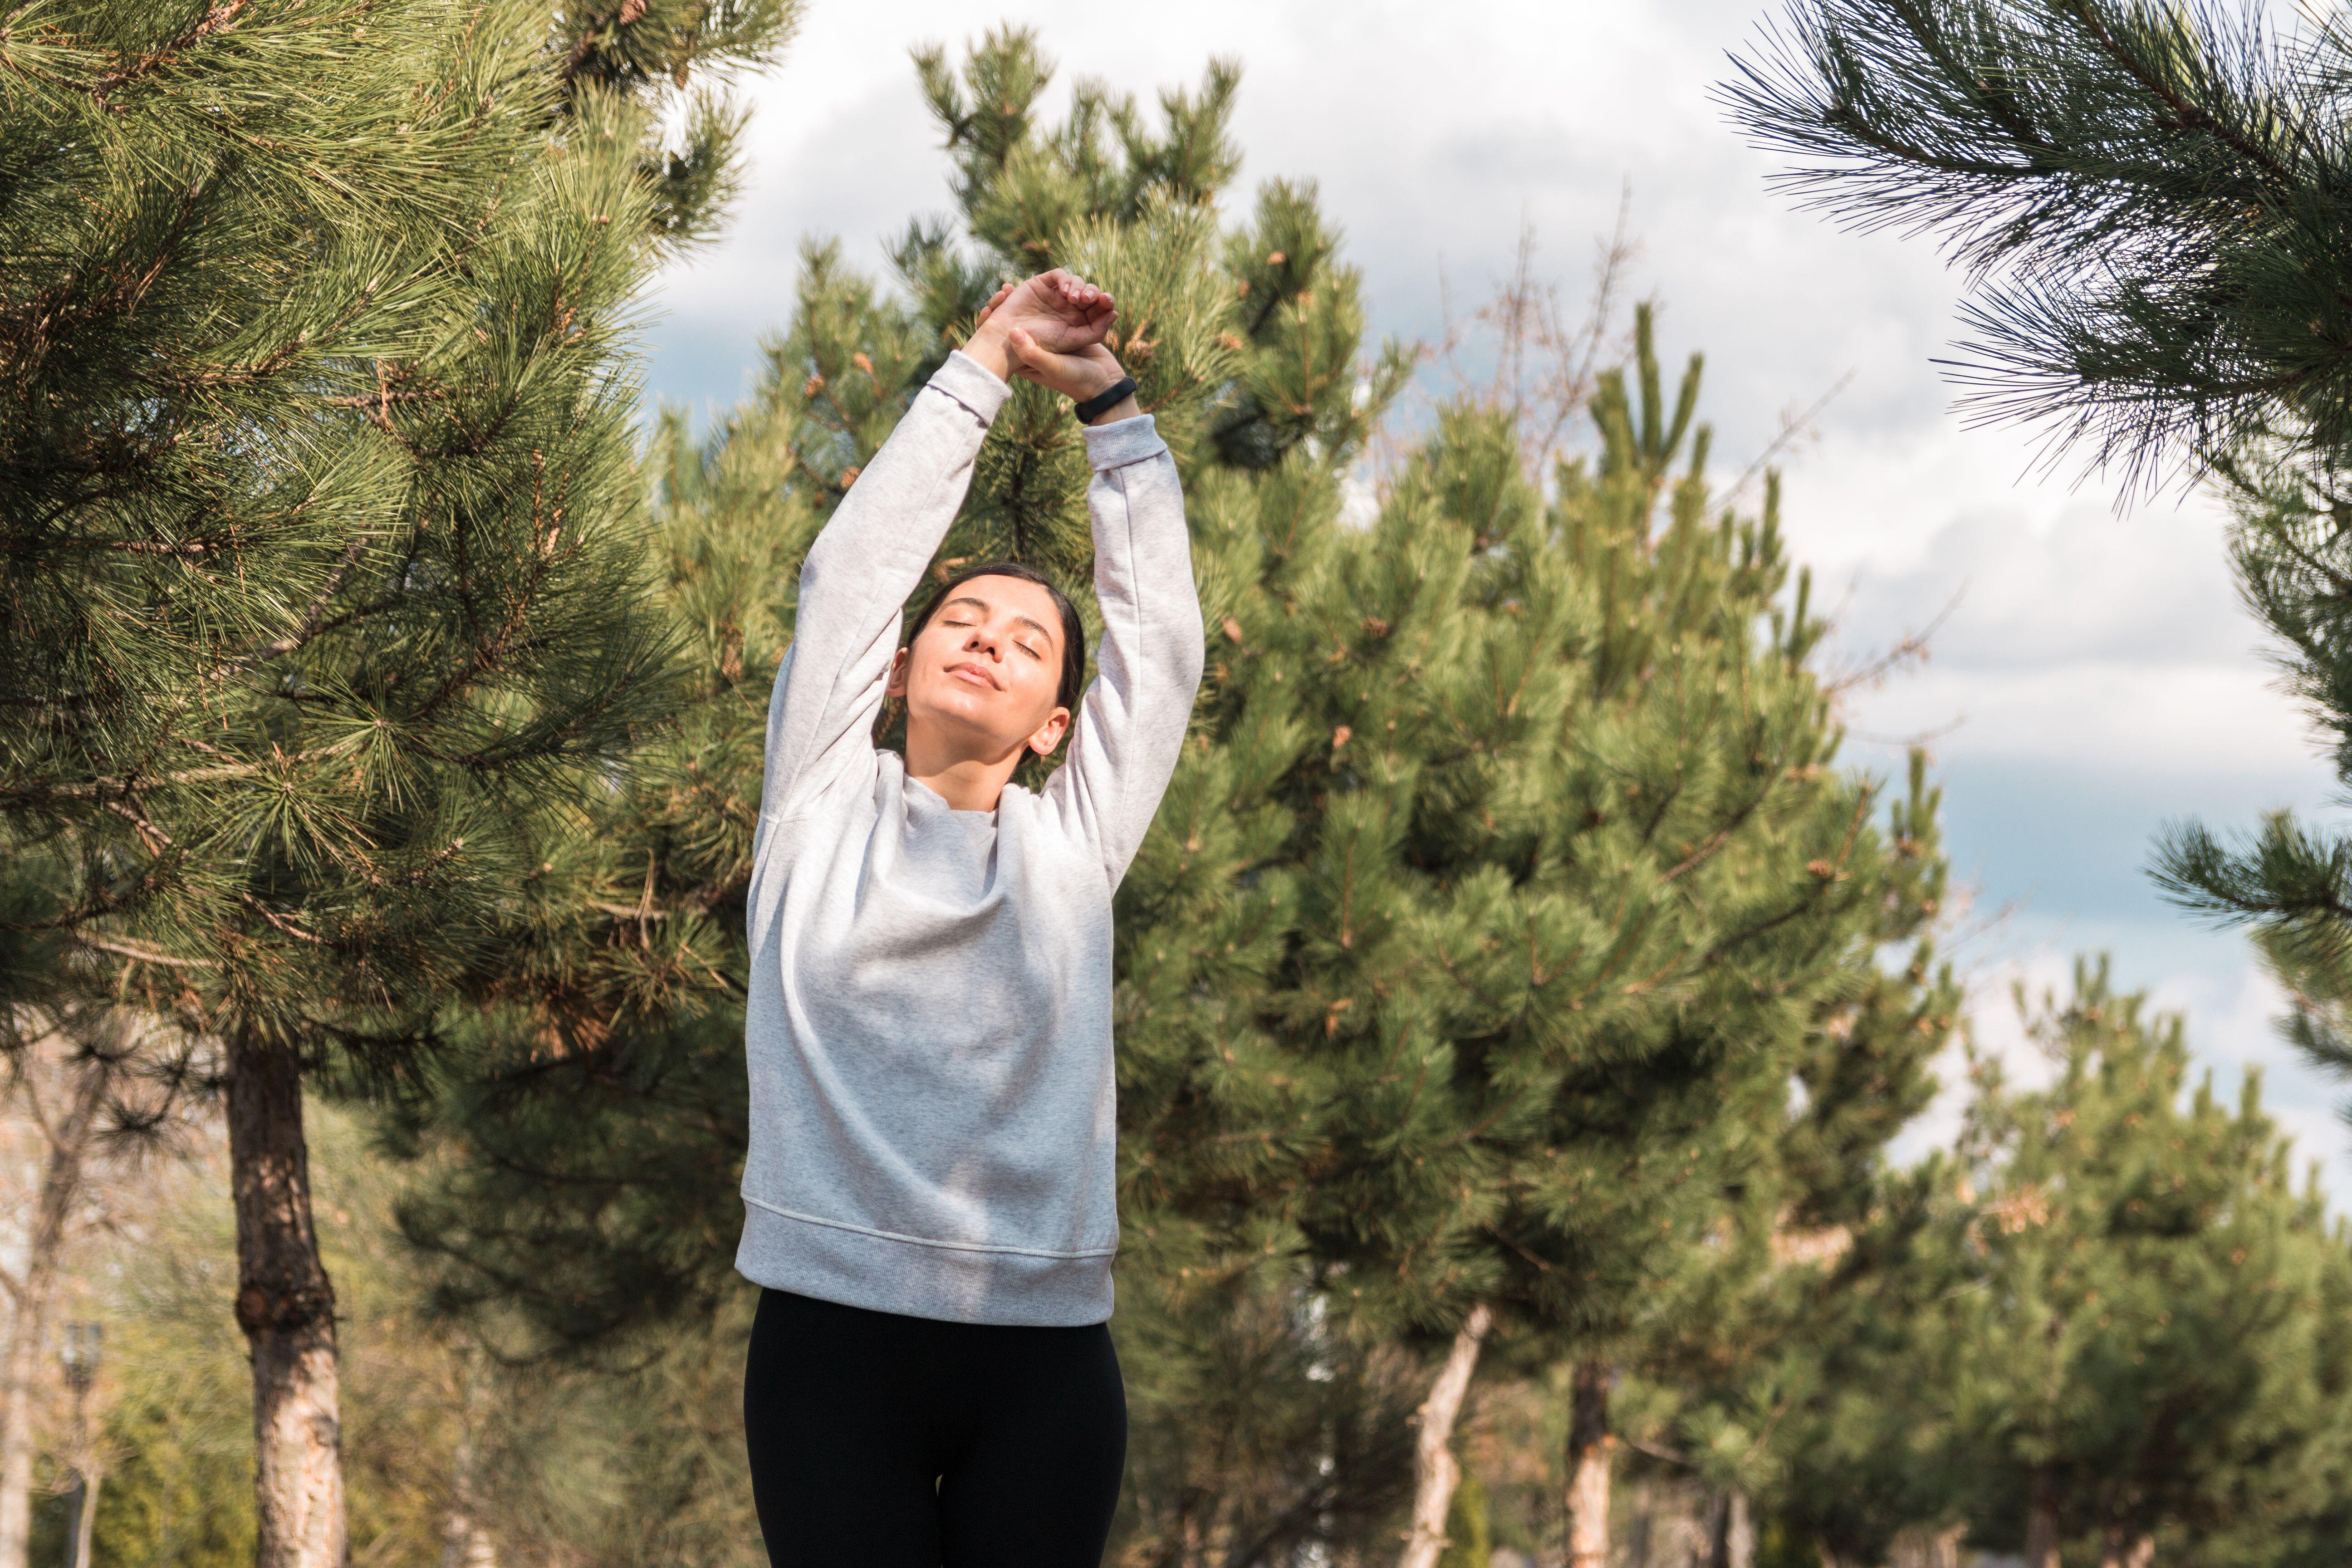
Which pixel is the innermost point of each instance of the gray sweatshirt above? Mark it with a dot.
(928, 1027)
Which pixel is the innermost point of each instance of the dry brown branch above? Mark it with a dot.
(1797, 427)
(1547, 364)
(1912, 650)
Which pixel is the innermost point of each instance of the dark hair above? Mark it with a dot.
(1074, 631)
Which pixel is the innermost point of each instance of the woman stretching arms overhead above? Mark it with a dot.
(929, 1195)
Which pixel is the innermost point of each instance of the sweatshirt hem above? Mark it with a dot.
(972, 383)
(1123, 442)
(926, 1240)
(860, 1268)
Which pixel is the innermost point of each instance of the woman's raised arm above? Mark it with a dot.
(1130, 729)
(856, 579)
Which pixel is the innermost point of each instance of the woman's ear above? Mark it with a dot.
(898, 687)
(1048, 735)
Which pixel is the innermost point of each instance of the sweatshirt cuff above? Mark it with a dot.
(1121, 442)
(972, 383)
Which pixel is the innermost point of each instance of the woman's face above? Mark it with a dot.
(983, 675)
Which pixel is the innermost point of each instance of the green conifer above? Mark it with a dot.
(2151, 203)
(324, 596)
(1582, 876)
(2110, 1324)
(2156, 1352)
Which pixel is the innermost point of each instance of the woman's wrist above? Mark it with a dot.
(1124, 408)
(1101, 374)
(988, 345)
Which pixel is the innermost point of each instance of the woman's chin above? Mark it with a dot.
(962, 722)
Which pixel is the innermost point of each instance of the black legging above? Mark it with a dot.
(879, 1441)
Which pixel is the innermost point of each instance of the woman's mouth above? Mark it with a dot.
(974, 673)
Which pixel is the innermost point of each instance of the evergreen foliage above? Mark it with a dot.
(2112, 1306)
(1794, 1297)
(2152, 202)
(2150, 198)
(326, 606)
(306, 565)
(2160, 1337)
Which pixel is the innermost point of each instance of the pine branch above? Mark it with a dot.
(218, 18)
(2171, 211)
(142, 955)
(311, 623)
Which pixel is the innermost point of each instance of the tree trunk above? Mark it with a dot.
(1589, 1446)
(286, 1305)
(465, 1543)
(1435, 1472)
(2123, 1546)
(26, 1325)
(1731, 1534)
(2042, 1522)
(68, 1138)
(85, 1514)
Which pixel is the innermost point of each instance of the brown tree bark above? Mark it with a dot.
(1731, 1532)
(1435, 1471)
(2041, 1521)
(465, 1543)
(285, 1305)
(1591, 1447)
(2125, 1546)
(67, 1131)
(85, 1515)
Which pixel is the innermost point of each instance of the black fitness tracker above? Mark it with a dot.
(1103, 402)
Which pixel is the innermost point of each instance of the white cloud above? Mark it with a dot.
(2231, 1006)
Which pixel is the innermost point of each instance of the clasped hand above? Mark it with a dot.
(1049, 328)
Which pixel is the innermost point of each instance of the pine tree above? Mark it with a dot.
(1780, 1310)
(2109, 1323)
(2158, 1348)
(1579, 878)
(324, 597)
(1855, 1390)
(2149, 200)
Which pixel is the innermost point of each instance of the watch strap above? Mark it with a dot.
(1103, 402)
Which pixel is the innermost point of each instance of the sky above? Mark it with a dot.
(2093, 676)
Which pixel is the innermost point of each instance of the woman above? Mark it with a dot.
(928, 1193)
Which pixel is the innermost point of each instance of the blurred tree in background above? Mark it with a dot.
(2108, 1326)
(2149, 1319)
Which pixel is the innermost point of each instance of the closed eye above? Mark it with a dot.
(1025, 648)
